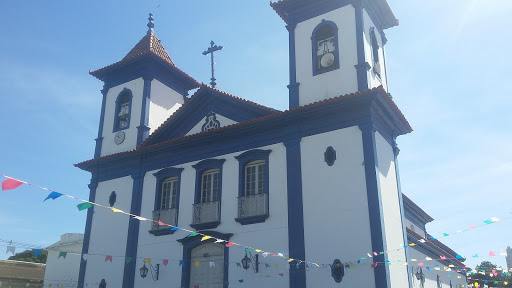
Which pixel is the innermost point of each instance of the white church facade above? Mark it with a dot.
(317, 183)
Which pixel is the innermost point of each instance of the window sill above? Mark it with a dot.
(161, 232)
(252, 219)
(207, 225)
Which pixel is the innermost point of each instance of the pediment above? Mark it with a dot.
(208, 109)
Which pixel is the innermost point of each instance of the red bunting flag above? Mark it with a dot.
(108, 258)
(230, 244)
(10, 183)
(165, 262)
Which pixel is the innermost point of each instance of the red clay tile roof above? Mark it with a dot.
(204, 87)
(148, 45)
(379, 89)
(392, 21)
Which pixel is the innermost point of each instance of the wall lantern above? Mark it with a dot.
(246, 261)
(144, 271)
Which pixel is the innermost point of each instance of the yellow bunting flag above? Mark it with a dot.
(412, 244)
(258, 250)
(205, 238)
(116, 210)
(277, 266)
(148, 260)
(196, 263)
(290, 260)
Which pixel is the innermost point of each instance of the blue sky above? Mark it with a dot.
(448, 72)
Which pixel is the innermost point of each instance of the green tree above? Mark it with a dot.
(483, 273)
(28, 256)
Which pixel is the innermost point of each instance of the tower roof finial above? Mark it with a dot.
(150, 23)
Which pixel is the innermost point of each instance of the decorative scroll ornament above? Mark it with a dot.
(211, 122)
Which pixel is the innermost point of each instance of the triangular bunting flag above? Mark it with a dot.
(165, 262)
(181, 262)
(212, 264)
(249, 250)
(265, 254)
(472, 226)
(443, 258)
(108, 258)
(475, 256)
(277, 266)
(84, 206)
(116, 210)
(160, 223)
(196, 263)
(11, 249)
(37, 252)
(147, 260)
(219, 241)
(458, 256)
(205, 238)
(492, 254)
(238, 264)
(127, 260)
(10, 184)
(63, 255)
(140, 218)
(503, 253)
(266, 265)
(175, 228)
(53, 195)
(85, 257)
(230, 244)
(193, 234)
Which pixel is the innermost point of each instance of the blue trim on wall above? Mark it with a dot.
(314, 40)
(296, 242)
(161, 176)
(143, 128)
(201, 167)
(190, 243)
(128, 92)
(362, 66)
(243, 160)
(293, 87)
(133, 229)
(99, 140)
(87, 234)
(374, 210)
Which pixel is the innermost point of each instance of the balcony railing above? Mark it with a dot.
(206, 213)
(253, 205)
(167, 216)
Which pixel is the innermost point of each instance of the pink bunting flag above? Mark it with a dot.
(375, 253)
(492, 254)
(108, 258)
(160, 223)
(281, 274)
(10, 184)
(472, 226)
(443, 258)
(165, 262)
(420, 264)
(374, 265)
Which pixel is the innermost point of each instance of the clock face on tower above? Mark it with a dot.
(119, 137)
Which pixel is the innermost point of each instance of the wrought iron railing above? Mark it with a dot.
(206, 212)
(253, 205)
(167, 216)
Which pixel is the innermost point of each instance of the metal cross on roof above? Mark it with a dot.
(210, 50)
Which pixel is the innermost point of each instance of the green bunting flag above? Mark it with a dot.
(128, 260)
(84, 206)
(193, 234)
(63, 255)
(238, 265)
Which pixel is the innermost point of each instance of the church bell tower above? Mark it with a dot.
(140, 92)
(336, 46)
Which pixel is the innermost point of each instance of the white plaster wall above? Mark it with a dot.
(374, 80)
(224, 121)
(336, 219)
(63, 270)
(109, 233)
(392, 218)
(272, 235)
(163, 103)
(130, 142)
(334, 83)
(431, 276)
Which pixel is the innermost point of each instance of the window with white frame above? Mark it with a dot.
(255, 177)
(169, 193)
(210, 186)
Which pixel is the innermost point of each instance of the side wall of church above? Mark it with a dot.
(336, 219)
(130, 142)
(374, 80)
(391, 212)
(109, 233)
(272, 235)
(334, 83)
(164, 102)
(431, 276)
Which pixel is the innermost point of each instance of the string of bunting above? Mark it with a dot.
(12, 183)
